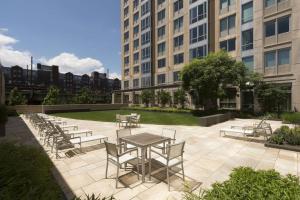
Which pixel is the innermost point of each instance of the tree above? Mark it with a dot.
(180, 97)
(16, 98)
(147, 96)
(52, 97)
(164, 97)
(85, 96)
(207, 79)
(271, 97)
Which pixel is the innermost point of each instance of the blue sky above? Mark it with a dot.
(62, 32)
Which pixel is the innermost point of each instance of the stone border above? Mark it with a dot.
(214, 119)
(283, 146)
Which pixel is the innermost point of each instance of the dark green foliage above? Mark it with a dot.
(207, 79)
(157, 109)
(16, 98)
(93, 197)
(293, 118)
(163, 97)
(52, 97)
(25, 173)
(85, 96)
(3, 114)
(248, 184)
(180, 97)
(147, 96)
(286, 135)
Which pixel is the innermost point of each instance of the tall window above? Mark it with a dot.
(284, 56)
(146, 68)
(126, 84)
(161, 63)
(247, 12)
(269, 3)
(198, 13)
(146, 53)
(178, 41)
(161, 79)
(136, 83)
(161, 48)
(178, 5)
(270, 28)
(178, 58)
(161, 32)
(145, 8)
(249, 62)
(198, 34)
(178, 24)
(226, 24)
(161, 15)
(283, 24)
(176, 76)
(198, 52)
(146, 81)
(277, 26)
(228, 45)
(270, 59)
(247, 40)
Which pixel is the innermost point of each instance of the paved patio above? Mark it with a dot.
(208, 158)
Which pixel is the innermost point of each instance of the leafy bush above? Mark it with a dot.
(163, 97)
(157, 109)
(285, 135)
(180, 97)
(3, 114)
(25, 173)
(277, 139)
(16, 98)
(93, 197)
(85, 96)
(293, 118)
(52, 97)
(147, 96)
(246, 183)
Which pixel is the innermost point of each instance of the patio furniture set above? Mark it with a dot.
(132, 120)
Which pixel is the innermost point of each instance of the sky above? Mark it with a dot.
(78, 35)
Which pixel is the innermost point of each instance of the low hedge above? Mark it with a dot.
(246, 183)
(25, 173)
(286, 135)
(291, 118)
(158, 109)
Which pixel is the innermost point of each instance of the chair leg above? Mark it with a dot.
(168, 178)
(117, 178)
(182, 171)
(106, 169)
(149, 164)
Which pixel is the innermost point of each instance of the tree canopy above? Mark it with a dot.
(52, 97)
(206, 79)
(16, 98)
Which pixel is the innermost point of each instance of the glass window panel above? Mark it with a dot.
(270, 60)
(270, 28)
(247, 12)
(284, 24)
(284, 57)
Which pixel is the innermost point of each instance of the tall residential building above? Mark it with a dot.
(160, 36)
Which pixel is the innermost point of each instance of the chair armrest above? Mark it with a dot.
(129, 151)
(158, 154)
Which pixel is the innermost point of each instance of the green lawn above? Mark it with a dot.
(147, 117)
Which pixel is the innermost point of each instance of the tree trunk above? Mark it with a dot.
(2, 129)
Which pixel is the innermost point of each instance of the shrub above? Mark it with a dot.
(246, 183)
(293, 137)
(3, 114)
(147, 96)
(286, 135)
(16, 98)
(180, 97)
(93, 197)
(164, 97)
(157, 109)
(277, 139)
(52, 97)
(25, 173)
(292, 118)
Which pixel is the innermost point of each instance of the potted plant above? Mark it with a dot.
(3, 120)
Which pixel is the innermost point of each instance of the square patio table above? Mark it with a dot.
(143, 141)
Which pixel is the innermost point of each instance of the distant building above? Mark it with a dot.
(47, 75)
(17, 76)
(85, 81)
(2, 85)
(69, 82)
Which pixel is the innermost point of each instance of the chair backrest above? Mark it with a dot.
(134, 114)
(170, 133)
(123, 133)
(123, 117)
(117, 117)
(62, 133)
(111, 149)
(175, 150)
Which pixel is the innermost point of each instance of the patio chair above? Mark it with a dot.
(118, 119)
(77, 132)
(136, 120)
(124, 120)
(174, 157)
(166, 132)
(113, 156)
(123, 133)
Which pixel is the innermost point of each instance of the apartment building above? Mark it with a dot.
(160, 36)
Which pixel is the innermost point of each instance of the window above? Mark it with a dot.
(198, 13)
(161, 15)
(161, 48)
(178, 24)
(247, 40)
(136, 83)
(227, 23)
(146, 38)
(198, 34)
(228, 45)
(161, 63)
(136, 44)
(178, 5)
(161, 32)
(126, 10)
(270, 28)
(283, 24)
(249, 62)
(146, 68)
(126, 48)
(126, 36)
(135, 31)
(159, 2)
(161, 79)
(136, 70)
(269, 3)
(178, 58)
(145, 8)
(145, 23)
(146, 81)
(126, 60)
(270, 59)
(284, 56)
(126, 24)
(176, 76)
(224, 4)
(135, 4)
(198, 52)
(136, 57)
(126, 72)
(178, 41)
(126, 84)
(146, 53)
(247, 12)
(135, 17)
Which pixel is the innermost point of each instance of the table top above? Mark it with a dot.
(144, 139)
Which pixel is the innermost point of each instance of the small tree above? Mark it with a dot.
(16, 98)
(271, 96)
(147, 96)
(52, 97)
(164, 97)
(206, 79)
(180, 97)
(84, 97)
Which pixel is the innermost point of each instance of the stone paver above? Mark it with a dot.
(208, 158)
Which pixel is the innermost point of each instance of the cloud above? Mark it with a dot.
(69, 62)
(114, 75)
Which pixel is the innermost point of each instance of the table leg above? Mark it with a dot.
(149, 163)
(143, 164)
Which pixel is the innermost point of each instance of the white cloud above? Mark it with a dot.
(114, 75)
(69, 62)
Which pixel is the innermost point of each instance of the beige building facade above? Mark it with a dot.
(160, 36)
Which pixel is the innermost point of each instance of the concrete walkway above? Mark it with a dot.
(208, 158)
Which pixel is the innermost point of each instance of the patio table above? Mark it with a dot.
(144, 141)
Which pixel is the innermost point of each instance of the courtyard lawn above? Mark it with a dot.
(147, 117)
